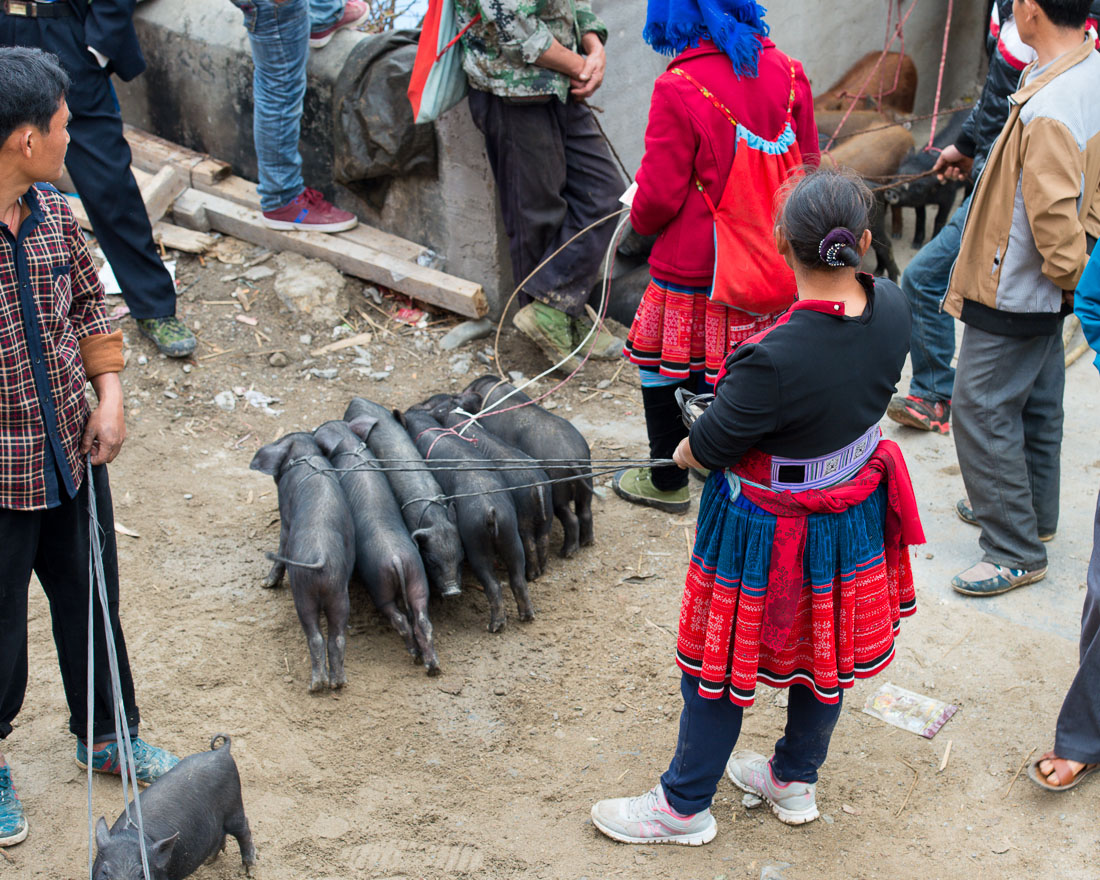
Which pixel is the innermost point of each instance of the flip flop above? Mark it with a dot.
(1061, 771)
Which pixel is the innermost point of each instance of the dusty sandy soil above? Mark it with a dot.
(489, 771)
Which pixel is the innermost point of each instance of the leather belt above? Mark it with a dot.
(31, 9)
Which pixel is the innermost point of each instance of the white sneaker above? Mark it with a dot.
(650, 819)
(793, 802)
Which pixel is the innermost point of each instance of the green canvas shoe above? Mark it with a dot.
(636, 486)
(170, 335)
(551, 330)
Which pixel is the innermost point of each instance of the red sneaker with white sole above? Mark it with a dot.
(355, 13)
(310, 212)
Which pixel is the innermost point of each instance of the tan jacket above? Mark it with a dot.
(1024, 238)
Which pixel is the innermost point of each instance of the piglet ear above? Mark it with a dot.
(361, 426)
(268, 459)
(102, 833)
(162, 851)
(419, 536)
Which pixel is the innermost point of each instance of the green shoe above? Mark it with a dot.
(701, 474)
(636, 486)
(608, 343)
(551, 330)
(170, 334)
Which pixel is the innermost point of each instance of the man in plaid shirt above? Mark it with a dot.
(54, 338)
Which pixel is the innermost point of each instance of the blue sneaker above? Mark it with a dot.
(150, 762)
(13, 823)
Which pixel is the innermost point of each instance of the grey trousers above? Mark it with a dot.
(1078, 736)
(1007, 415)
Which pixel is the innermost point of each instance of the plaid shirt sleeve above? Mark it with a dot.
(50, 299)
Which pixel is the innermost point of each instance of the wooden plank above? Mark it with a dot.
(429, 285)
(77, 207)
(151, 153)
(179, 239)
(161, 190)
(243, 192)
(341, 344)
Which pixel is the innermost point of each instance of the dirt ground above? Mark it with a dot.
(489, 770)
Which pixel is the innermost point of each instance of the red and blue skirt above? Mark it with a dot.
(847, 613)
(678, 331)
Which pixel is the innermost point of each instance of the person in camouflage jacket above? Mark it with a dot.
(531, 64)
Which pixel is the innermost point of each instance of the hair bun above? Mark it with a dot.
(832, 244)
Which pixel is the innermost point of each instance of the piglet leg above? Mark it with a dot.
(483, 568)
(278, 569)
(584, 512)
(510, 548)
(338, 611)
(309, 613)
(237, 825)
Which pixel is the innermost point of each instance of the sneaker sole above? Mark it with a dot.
(696, 839)
(905, 416)
(186, 350)
(84, 766)
(325, 40)
(787, 817)
(18, 837)
(288, 226)
(664, 506)
(1023, 582)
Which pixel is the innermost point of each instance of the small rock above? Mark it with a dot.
(187, 368)
(516, 376)
(288, 678)
(188, 496)
(774, 871)
(607, 395)
(500, 690)
(142, 360)
(171, 395)
(603, 383)
(461, 364)
(751, 801)
(465, 332)
(826, 818)
(454, 688)
(600, 492)
(226, 400)
(258, 273)
(329, 373)
(305, 339)
(929, 556)
(374, 293)
(230, 277)
(781, 699)
(381, 375)
(313, 289)
(278, 359)
(485, 358)
(618, 707)
(850, 810)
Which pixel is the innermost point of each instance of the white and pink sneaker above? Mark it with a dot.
(793, 802)
(650, 819)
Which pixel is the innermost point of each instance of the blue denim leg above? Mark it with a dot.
(279, 33)
(708, 733)
(932, 342)
(805, 741)
(324, 13)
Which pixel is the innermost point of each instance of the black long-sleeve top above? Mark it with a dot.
(812, 385)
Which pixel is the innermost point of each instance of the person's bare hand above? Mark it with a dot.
(683, 456)
(952, 164)
(584, 85)
(105, 430)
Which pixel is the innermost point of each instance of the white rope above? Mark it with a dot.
(97, 584)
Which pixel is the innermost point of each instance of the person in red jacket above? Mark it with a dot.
(727, 82)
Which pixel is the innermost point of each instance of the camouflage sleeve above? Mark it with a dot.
(522, 36)
(588, 22)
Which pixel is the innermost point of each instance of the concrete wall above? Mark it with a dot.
(198, 91)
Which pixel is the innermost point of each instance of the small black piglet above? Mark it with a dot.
(186, 813)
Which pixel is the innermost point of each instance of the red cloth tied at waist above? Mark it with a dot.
(785, 571)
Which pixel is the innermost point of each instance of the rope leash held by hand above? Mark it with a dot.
(97, 585)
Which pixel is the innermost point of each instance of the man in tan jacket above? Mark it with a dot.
(1034, 215)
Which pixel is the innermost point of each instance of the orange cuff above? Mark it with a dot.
(102, 353)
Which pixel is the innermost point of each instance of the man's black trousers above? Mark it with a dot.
(99, 164)
(54, 544)
(555, 176)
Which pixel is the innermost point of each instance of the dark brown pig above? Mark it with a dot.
(386, 558)
(317, 544)
(531, 491)
(543, 436)
(486, 514)
(432, 525)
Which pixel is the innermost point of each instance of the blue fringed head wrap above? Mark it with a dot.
(734, 25)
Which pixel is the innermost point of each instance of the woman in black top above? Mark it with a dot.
(800, 570)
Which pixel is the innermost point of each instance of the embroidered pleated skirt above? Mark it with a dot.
(678, 331)
(847, 614)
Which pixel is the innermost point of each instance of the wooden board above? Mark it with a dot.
(179, 239)
(161, 190)
(152, 153)
(202, 211)
(243, 192)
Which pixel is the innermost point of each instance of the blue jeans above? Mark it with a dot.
(324, 13)
(932, 339)
(279, 34)
(709, 731)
